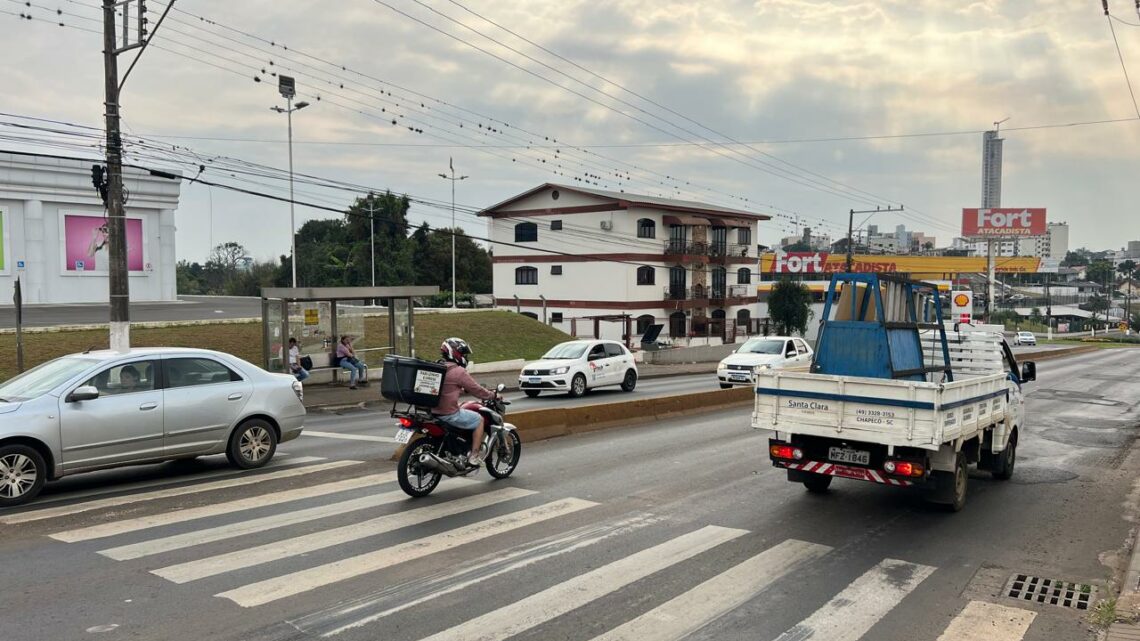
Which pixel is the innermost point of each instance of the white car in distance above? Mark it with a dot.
(763, 352)
(1025, 338)
(577, 366)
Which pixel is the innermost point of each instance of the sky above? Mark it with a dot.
(840, 105)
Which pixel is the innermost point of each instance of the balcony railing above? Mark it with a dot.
(714, 250)
(683, 293)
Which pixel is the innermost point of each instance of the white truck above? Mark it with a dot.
(900, 432)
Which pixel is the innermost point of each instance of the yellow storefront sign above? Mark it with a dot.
(806, 263)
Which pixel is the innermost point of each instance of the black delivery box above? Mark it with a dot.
(412, 381)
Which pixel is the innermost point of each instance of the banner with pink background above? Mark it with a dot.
(88, 248)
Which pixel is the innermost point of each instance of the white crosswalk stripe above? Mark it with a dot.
(982, 621)
(572, 594)
(123, 526)
(118, 501)
(852, 612)
(276, 550)
(295, 583)
(253, 526)
(691, 611)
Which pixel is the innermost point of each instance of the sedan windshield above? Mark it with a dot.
(762, 346)
(566, 351)
(44, 378)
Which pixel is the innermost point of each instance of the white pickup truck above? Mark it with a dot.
(898, 432)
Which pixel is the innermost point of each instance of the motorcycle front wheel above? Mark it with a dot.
(416, 480)
(504, 455)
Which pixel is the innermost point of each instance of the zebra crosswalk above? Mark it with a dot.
(272, 546)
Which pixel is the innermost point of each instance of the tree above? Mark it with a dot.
(1035, 315)
(1099, 271)
(789, 306)
(1074, 259)
(1096, 304)
(928, 245)
(799, 246)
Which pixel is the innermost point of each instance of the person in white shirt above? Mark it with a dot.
(295, 361)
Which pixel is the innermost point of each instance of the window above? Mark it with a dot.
(526, 233)
(677, 324)
(646, 275)
(744, 236)
(137, 376)
(555, 225)
(596, 352)
(789, 349)
(643, 323)
(556, 270)
(526, 276)
(801, 347)
(555, 317)
(186, 372)
(614, 350)
(646, 228)
(744, 276)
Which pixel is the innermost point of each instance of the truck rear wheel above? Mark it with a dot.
(951, 486)
(817, 483)
(1003, 462)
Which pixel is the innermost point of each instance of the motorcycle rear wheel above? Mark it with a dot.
(415, 480)
(504, 456)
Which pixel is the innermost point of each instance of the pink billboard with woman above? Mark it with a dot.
(88, 248)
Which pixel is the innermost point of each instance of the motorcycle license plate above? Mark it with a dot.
(403, 436)
(534, 380)
(844, 455)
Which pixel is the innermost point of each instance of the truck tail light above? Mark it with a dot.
(786, 452)
(903, 468)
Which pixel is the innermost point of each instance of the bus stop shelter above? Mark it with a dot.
(318, 316)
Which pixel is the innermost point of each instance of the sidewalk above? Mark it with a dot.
(333, 396)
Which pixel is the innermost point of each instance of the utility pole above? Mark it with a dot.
(453, 179)
(372, 237)
(851, 230)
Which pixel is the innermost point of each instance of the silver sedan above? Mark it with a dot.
(97, 410)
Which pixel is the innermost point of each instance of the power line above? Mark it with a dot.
(1120, 55)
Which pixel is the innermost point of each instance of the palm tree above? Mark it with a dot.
(1128, 269)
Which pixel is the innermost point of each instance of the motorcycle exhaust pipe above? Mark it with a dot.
(436, 464)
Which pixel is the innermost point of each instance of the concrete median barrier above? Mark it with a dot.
(1050, 354)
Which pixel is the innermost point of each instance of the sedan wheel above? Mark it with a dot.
(252, 444)
(22, 474)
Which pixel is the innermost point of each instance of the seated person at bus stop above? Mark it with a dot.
(348, 360)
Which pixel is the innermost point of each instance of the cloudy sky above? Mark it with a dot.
(648, 96)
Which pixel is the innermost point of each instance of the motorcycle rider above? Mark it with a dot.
(456, 354)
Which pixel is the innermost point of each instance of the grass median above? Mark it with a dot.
(493, 335)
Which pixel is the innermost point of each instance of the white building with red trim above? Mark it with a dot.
(578, 258)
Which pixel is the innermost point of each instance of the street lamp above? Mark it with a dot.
(453, 179)
(288, 88)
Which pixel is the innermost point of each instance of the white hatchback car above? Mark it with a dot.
(763, 352)
(577, 366)
(1025, 338)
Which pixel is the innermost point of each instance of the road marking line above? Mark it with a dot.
(350, 437)
(113, 528)
(263, 524)
(688, 612)
(116, 501)
(226, 472)
(297, 546)
(852, 612)
(295, 583)
(396, 598)
(982, 621)
(555, 601)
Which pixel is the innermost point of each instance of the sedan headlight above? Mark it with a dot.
(560, 370)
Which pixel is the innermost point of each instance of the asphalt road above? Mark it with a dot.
(679, 529)
(186, 308)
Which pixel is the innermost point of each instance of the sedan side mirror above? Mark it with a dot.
(85, 393)
(1028, 372)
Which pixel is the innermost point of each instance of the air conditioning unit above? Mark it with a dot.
(608, 225)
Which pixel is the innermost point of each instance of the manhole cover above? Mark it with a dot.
(1067, 594)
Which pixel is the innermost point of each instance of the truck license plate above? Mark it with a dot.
(403, 436)
(740, 377)
(844, 455)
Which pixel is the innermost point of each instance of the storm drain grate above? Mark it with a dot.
(1066, 594)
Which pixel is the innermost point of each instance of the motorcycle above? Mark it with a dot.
(441, 450)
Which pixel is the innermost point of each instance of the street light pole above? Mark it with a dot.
(287, 86)
(372, 236)
(453, 179)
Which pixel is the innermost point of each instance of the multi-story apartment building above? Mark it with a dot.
(1052, 244)
(577, 258)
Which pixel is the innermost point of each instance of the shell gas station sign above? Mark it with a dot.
(962, 306)
(825, 263)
